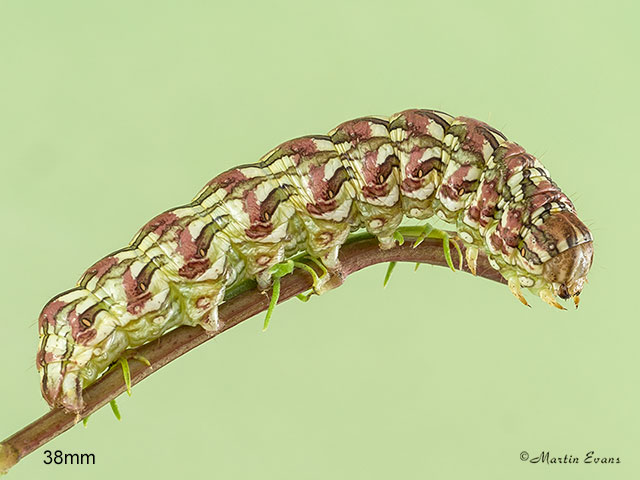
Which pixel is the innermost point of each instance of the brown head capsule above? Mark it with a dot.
(569, 270)
(570, 245)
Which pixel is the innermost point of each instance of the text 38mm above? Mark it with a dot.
(59, 458)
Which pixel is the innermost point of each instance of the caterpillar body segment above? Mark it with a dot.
(309, 194)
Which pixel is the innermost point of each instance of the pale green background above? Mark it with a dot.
(111, 112)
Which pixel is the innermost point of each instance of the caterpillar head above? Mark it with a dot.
(566, 245)
(568, 270)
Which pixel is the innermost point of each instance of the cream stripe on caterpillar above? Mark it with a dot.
(308, 194)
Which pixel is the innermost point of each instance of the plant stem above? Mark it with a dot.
(359, 252)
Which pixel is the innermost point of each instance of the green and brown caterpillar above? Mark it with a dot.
(307, 195)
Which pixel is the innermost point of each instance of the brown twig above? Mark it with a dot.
(354, 255)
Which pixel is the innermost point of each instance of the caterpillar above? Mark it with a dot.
(308, 195)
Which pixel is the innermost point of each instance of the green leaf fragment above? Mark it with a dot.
(387, 276)
(281, 269)
(320, 264)
(447, 251)
(398, 237)
(114, 408)
(308, 269)
(85, 420)
(455, 244)
(126, 373)
(429, 231)
(426, 232)
(275, 295)
(304, 297)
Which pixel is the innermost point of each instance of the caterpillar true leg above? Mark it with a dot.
(546, 294)
(514, 286)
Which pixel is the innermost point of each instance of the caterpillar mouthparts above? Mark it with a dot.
(308, 195)
(568, 270)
